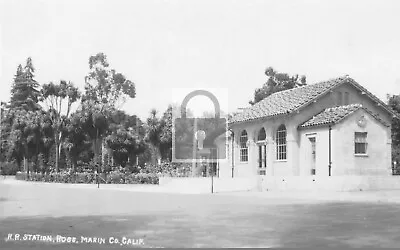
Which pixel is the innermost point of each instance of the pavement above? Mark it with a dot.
(386, 196)
(235, 219)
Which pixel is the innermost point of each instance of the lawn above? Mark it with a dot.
(138, 219)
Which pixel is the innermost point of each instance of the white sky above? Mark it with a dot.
(162, 45)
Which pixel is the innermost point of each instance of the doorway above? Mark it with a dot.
(313, 155)
(262, 159)
(262, 151)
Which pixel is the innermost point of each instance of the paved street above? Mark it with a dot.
(152, 219)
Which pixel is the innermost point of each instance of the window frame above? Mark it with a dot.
(281, 143)
(360, 140)
(243, 148)
(262, 131)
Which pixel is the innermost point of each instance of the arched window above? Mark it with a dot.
(244, 151)
(281, 143)
(261, 135)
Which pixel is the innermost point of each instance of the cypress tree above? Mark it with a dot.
(24, 91)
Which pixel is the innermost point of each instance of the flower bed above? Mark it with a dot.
(114, 177)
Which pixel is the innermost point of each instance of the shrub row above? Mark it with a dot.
(9, 168)
(114, 177)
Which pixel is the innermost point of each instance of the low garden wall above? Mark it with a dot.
(204, 184)
(328, 183)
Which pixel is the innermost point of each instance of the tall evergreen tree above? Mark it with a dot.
(24, 91)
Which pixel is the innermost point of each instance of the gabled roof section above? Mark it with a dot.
(334, 115)
(331, 115)
(289, 101)
(286, 101)
(374, 98)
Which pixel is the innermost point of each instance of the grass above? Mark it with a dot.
(172, 220)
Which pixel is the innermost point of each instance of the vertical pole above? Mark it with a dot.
(97, 176)
(233, 152)
(212, 181)
(330, 150)
(194, 156)
(1, 138)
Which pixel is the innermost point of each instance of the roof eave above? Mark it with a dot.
(316, 126)
(259, 118)
(376, 99)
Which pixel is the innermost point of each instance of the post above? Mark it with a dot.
(194, 156)
(233, 153)
(97, 176)
(210, 163)
(330, 150)
(212, 182)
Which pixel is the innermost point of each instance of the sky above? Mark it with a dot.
(170, 47)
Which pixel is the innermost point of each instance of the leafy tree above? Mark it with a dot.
(105, 91)
(25, 135)
(24, 91)
(125, 145)
(77, 140)
(126, 139)
(154, 128)
(166, 134)
(5, 128)
(277, 82)
(58, 99)
(394, 103)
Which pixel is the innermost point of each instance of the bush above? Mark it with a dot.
(9, 168)
(114, 177)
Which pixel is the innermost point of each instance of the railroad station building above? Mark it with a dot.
(330, 128)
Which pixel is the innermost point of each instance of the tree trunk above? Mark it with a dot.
(37, 157)
(74, 162)
(57, 152)
(26, 166)
(103, 154)
(97, 147)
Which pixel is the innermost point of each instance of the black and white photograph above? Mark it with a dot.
(199, 124)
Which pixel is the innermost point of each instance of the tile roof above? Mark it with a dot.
(331, 115)
(286, 101)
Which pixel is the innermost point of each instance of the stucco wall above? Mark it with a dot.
(322, 151)
(198, 185)
(378, 158)
(274, 167)
(295, 153)
(328, 183)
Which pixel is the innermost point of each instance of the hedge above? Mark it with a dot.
(9, 168)
(114, 177)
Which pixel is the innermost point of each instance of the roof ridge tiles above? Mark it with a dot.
(288, 101)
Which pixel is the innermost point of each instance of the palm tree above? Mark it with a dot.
(153, 136)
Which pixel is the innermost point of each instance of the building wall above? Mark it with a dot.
(250, 168)
(321, 135)
(378, 158)
(294, 165)
(224, 165)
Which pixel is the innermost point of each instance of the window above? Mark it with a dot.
(339, 98)
(346, 98)
(261, 135)
(244, 151)
(281, 143)
(360, 143)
